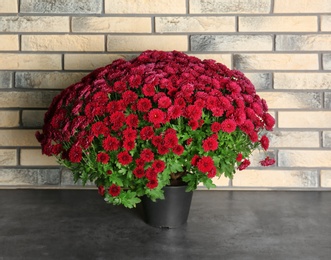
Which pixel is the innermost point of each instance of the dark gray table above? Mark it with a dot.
(78, 224)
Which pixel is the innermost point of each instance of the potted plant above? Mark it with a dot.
(158, 120)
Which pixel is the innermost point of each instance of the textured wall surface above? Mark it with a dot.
(283, 46)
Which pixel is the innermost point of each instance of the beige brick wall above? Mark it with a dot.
(283, 46)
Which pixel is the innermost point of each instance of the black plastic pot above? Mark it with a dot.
(171, 212)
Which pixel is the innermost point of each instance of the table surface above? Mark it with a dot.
(78, 224)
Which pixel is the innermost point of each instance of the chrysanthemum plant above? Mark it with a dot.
(163, 118)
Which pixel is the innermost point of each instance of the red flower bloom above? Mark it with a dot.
(209, 144)
(164, 102)
(205, 164)
(148, 90)
(215, 127)
(170, 140)
(178, 149)
(132, 121)
(174, 112)
(129, 97)
(147, 155)
(130, 134)
(195, 160)
(245, 163)
(75, 154)
(247, 126)
(124, 158)
(129, 144)
(267, 161)
(193, 124)
(144, 105)
(228, 125)
(212, 173)
(110, 143)
(189, 141)
(158, 166)
(156, 116)
(114, 190)
(103, 158)
(99, 128)
(152, 184)
(239, 157)
(269, 121)
(150, 173)
(264, 142)
(146, 133)
(139, 172)
(101, 190)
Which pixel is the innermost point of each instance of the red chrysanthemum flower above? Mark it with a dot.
(144, 105)
(146, 133)
(189, 141)
(139, 172)
(178, 149)
(147, 155)
(205, 164)
(101, 190)
(267, 161)
(174, 112)
(124, 158)
(239, 157)
(103, 158)
(110, 143)
(215, 127)
(264, 142)
(245, 163)
(114, 190)
(129, 97)
(209, 144)
(162, 149)
(130, 134)
(228, 125)
(156, 116)
(170, 140)
(148, 90)
(129, 144)
(75, 154)
(193, 124)
(132, 121)
(247, 126)
(195, 160)
(212, 173)
(151, 174)
(269, 121)
(164, 102)
(158, 166)
(152, 184)
(99, 128)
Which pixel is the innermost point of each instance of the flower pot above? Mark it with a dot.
(171, 212)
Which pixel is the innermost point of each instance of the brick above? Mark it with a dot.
(112, 24)
(91, 61)
(261, 81)
(145, 7)
(225, 59)
(61, 6)
(6, 79)
(302, 81)
(34, 157)
(9, 42)
(67, 179)
(231, 42)
(295, 139)
(278, 24)
(304, 119)
(304, 158)
(195, 24)
(29, 177)
(33, 118)
(9, 118)
(326, 138)
(8, 157)
(20, 61)
(150, 42)
(229, 6)
(327, 61)
(327, 100)
(63, 43)
(47, 80)
(276, 178)
(293, 100)
(16, 137)
(8, 6)
(311, 42)
(302, 6)
(31, 99)
(275, 61)
(326, 178)
(34, 24)
(326, 23)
